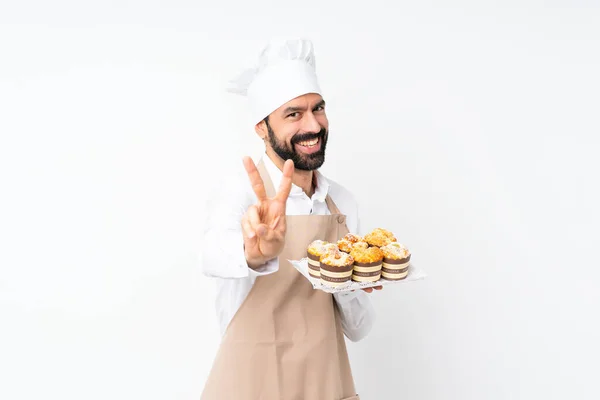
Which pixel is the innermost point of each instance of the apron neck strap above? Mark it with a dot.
(270, 189)
(333, 209)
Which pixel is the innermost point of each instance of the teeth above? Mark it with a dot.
(309, 143)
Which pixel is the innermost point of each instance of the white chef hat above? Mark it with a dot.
(284, 70)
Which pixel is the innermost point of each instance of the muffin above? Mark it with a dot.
(396, 259)
(336, 268)
(367, 264)
(345, 244)
(315, 251)
(360, 245)
(379, 237)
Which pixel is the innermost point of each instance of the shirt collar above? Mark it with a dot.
(275, 173)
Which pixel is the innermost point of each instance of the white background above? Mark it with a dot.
(471, 131)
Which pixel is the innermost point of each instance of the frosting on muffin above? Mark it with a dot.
(345, 245)
(367, 256)
(352, 238)
(380, 237)
(384, 232)
(330, 247)
(320, 247)
(395, 251)
(360, 245)
(337, 259)
(347, 242)
(316, 246)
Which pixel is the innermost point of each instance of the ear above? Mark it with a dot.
(261, 130)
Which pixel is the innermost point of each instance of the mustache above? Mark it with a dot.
(303, 137)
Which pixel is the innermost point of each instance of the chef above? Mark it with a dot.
(281, 339)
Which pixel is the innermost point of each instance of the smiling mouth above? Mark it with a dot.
(309, 143)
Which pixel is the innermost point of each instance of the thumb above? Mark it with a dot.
(261, 231)
(250, 235)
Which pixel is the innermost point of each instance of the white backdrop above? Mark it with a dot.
(472, 131)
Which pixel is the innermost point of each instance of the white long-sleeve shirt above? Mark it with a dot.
(222, 255)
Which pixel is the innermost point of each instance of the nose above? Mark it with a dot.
(310, 123)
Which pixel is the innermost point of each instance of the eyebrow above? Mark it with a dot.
(289, 110)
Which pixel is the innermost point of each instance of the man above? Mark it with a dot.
(281, 338)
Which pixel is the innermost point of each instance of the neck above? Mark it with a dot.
(302, 179)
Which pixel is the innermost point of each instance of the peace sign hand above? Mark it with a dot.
(263, 224)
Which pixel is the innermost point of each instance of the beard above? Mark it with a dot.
(304, 162)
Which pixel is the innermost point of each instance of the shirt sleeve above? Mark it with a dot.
(357, 314)
(221, 259)
(222, 242)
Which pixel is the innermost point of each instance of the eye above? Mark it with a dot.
(293, 115)
(319, 108)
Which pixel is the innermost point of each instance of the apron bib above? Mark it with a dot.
(286, 341)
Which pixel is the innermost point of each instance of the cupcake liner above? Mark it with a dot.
(414, 273)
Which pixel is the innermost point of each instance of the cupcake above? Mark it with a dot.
(360, 245)
(315, 250)
(345, 244)
(379, 237)
(336, 268)
(367, 264)
(396, 259)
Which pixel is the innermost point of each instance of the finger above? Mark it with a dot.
(270, 235)
(286, 181)
(255, 179)
(276, 216)
(248, 232)
(275, 222)
(253, 217)
(251, 249)
(255, 223)
(278, 233)
(262, 231)
(378, 287)
(368, 290)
